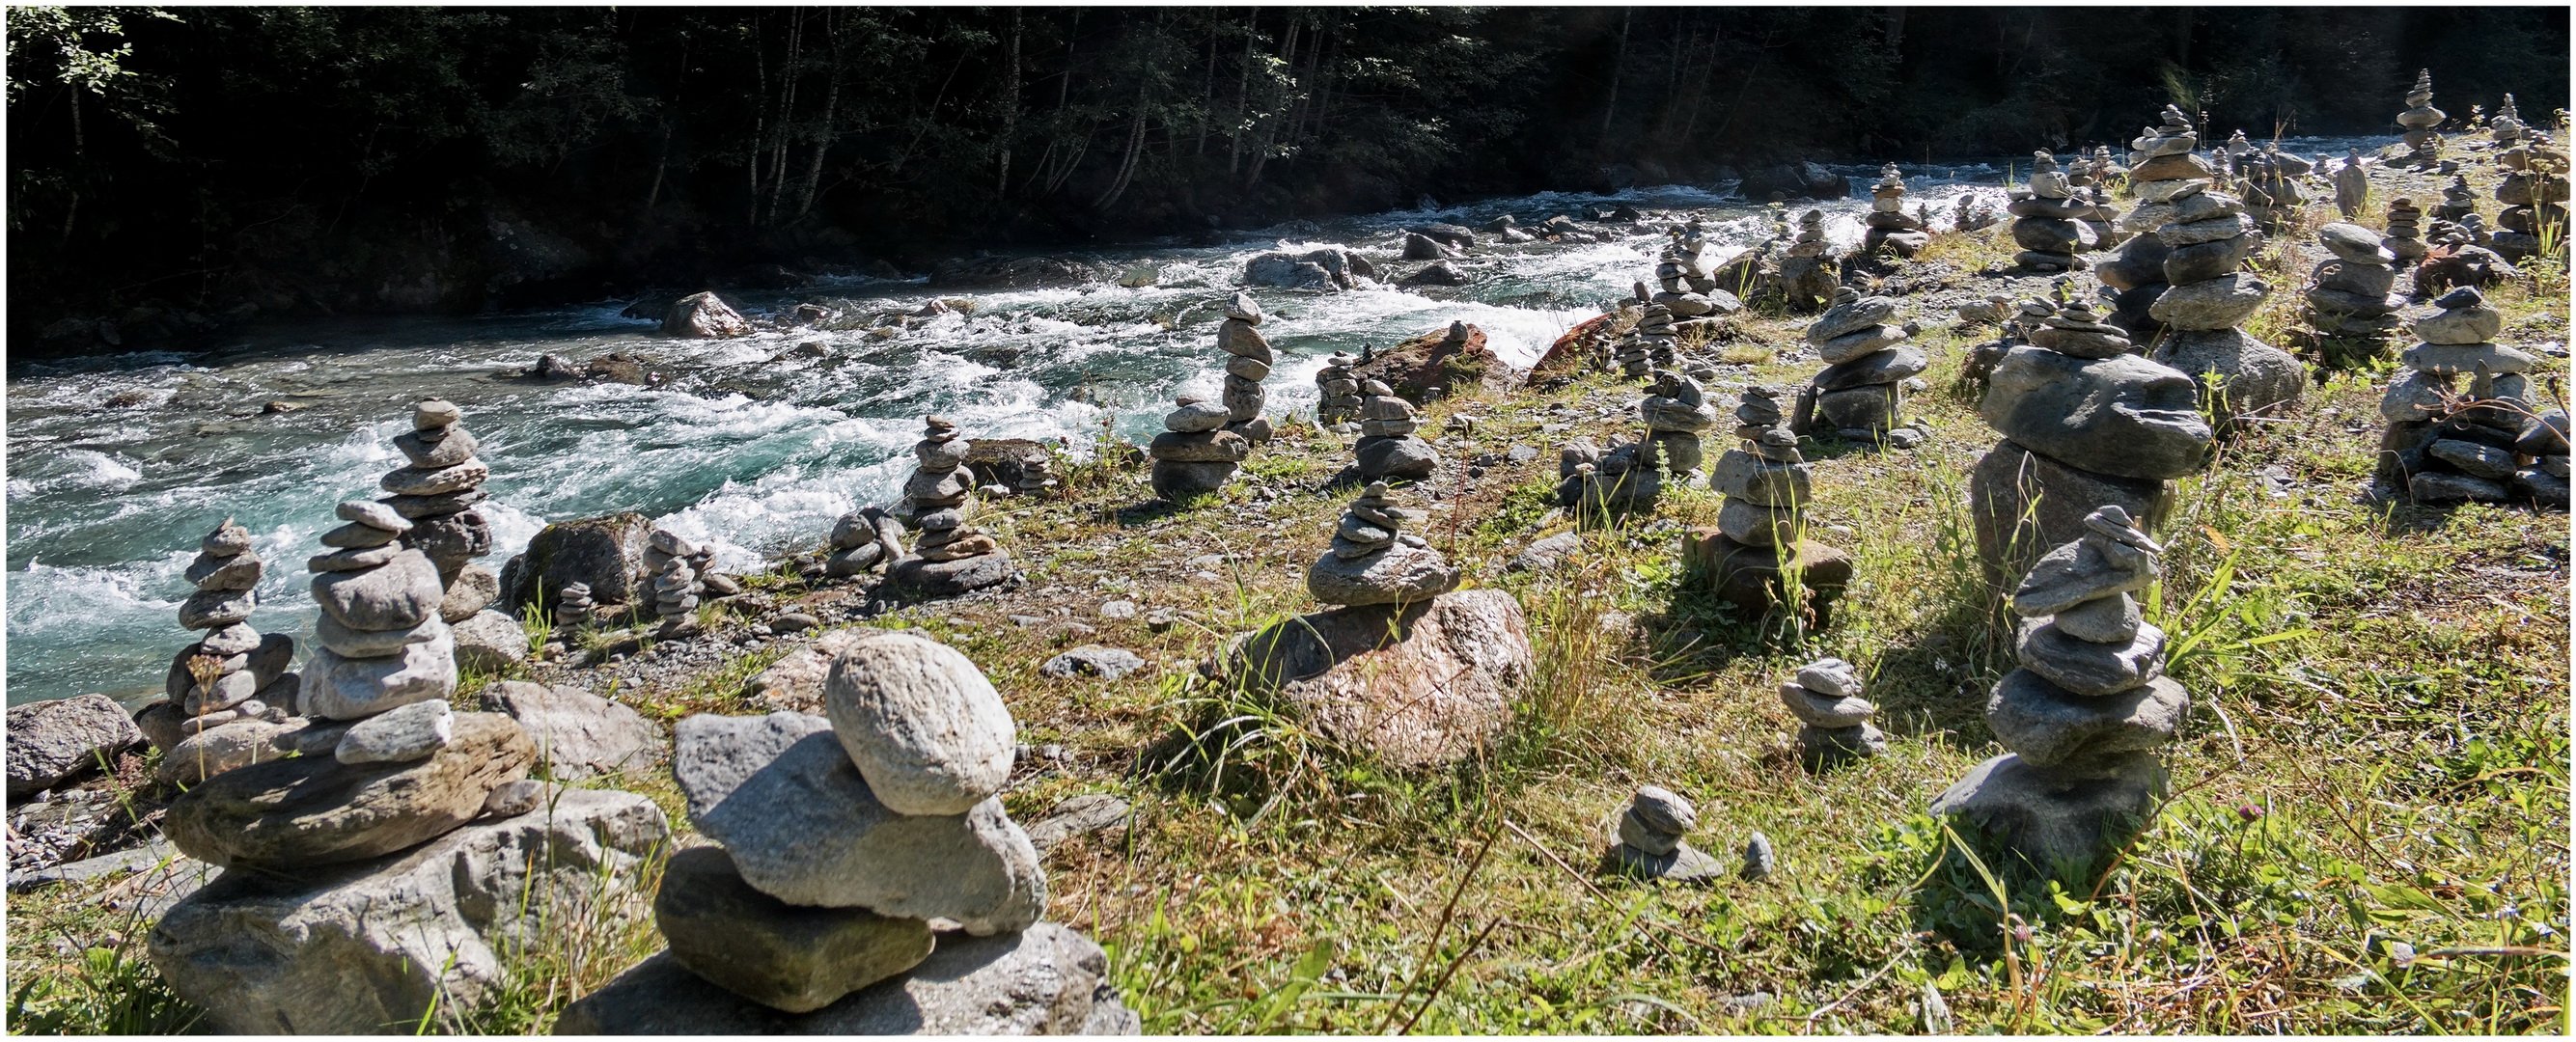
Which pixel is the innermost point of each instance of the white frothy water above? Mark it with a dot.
(119, 463)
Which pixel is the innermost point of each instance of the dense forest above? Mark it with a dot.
(240, 161)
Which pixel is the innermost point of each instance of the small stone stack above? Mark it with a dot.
(1388, 448)
(2534, 194)
(675, 564)
(2446, 442)
(949, 557)
(2458, 203)
(2352, 185)
(1862, 387)
(1675, 412)
(2236, 146)
(230, 689)
(573, 607)
(1337, 404)
(2106, 168)
(1807, 275)
(1195, 454)
(1248, 361)
(2505, 127)
(2086, 423)
(2423, 146)
(2544, 443)
(863, 540)
(2086, 711)
(1833, 718)
(2352, 302)
(1681, 294)
(2269, 183)
(383, 642)
(1889, 225)
(1651, 344)
(2204, 301)
(2166, 167)
(1374, 561)
(437, 493)
(865, 878)
(2405, 236)
(1600, 487)
(1646, 838)
(1760, 539)
(2045, 223)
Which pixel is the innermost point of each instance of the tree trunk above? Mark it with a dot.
(1242, 96)
(1270, 120)
(822, 136)
(1010, 104)
(1127, 162)
(1611, 108)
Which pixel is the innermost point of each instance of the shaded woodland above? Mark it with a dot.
(241, 161)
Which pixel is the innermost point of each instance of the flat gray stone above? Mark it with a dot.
(2053, 728)
(2125, 417)
(1092, 660)
(54, 740)
(578, 734)
(2089, 668)
(786, 957)
(2051, 820)
(396, 596)
(401, 735)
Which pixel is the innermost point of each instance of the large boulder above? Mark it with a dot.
(1047, 980)
(373, 946)
(2125, 416)
(1427, 684)
(1015, 272)
(703, 316)
(2022, 503)
(2240, 378)
(579, 734)
(299, 813)
(1436, 364)
(1326, 268)
(607, 553)
(54, 740)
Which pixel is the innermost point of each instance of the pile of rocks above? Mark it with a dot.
(2423, 146)
(1248, 361)
(2164, 167)
(2045, 223)
(865, 877)
(2445, 442)
(2534, 194)
(1688, 290)
(949, 557)
(1889, 225)
(2086, 711)
(2505, 127)
(1833, 718)
(230, 691)
(676, 566)
(862, 540)
(2269, 184)
(574, 608)
(1599, 486)
(383, 643)
(2459, 201)
(1653, 343)
(1646, 838)
(1759, 545)
(2404, 239)
(2204, 302)
(1862, 388)
(1374, 561)
(1195, 454)
(1388, 448)
(437, 492)
(2352, 184)
(1675, 411)
(2086, 423)
(1337, 403)
(1807, 275)
(2353, 301)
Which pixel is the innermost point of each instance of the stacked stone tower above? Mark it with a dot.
(1861, 391)
(2423, 146)
(2045, 221)
(230, 689)
(950, 556)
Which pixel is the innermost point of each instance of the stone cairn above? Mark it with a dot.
(384, 644)
(864, 878)
(675, 565)
(2236, 147)
(1688, 290)
(1675, 412)
(230, 688)
(1645, 838)
(2086, 711)
(2352, 300)
(2165, 167)
(2423, 146)
(2534, 194)
(2206, 237)
(1374, 561)
(2505, 127)
(1195, 454)
(437, 493)
(1248, 361)
(1337, 405)
(2404, 239)
(1600, 486)
(1862, 387)
(574, 608)
(2445, 442)
(2086, 423)
(1807, 275)
(2045, 223)
(2459, 201)
(2269, 184)
(1833, 718)
(862, 540)
(1889, 225)
(1388, 448)
(1651, 344)
(1760, 539)
(2352, 184)
(950, 556)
